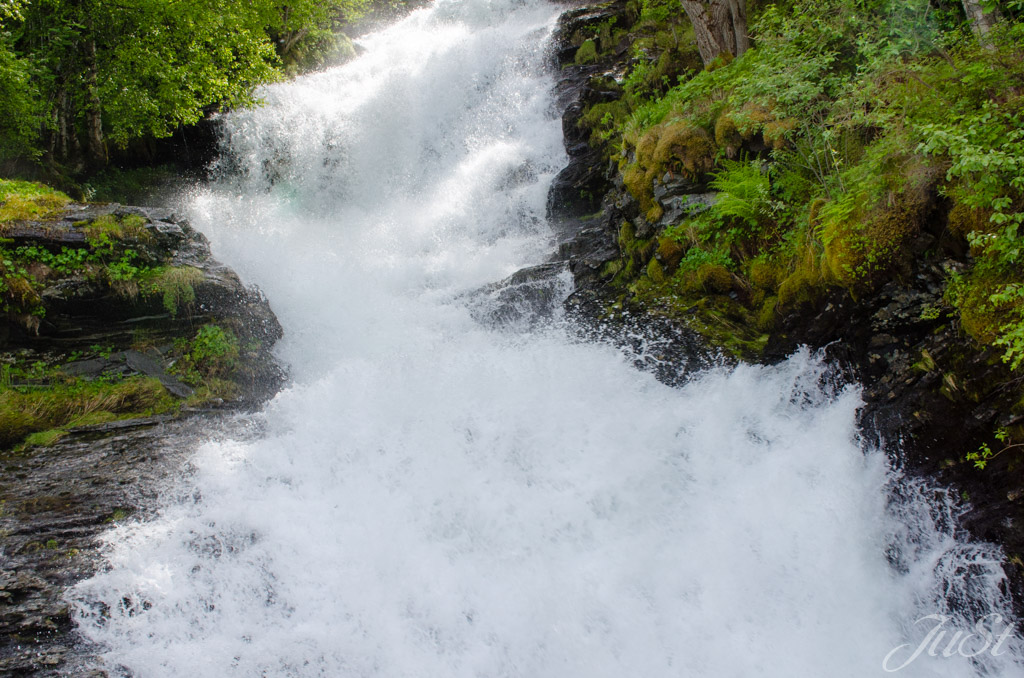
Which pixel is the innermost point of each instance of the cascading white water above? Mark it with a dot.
(438, 498)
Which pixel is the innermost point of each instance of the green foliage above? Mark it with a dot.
(659, 11)
(984, 454)
(176, 286)
(830, 144)
(19, 292)
(115, 256)
(68, 260)
(318, 49)
(20, 106)
(970, 115)
(696, 258)
(140, 69)
(212, 354)
(744, 196)
(162, 64)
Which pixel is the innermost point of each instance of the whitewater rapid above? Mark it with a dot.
(436, 497)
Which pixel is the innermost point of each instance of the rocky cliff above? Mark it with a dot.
(123, 344)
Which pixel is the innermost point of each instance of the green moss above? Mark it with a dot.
(611, 268)
(676, 148)
(27, 200)
(801, 286)
(766, 273)
(627, 238)
(670, 253)
(964, 220)
(604, 120)
(655, 272)
(45, 438)
(727, 135)
(926, 363)
(213, 389)
(972, 295)
(867, 229)
(19, 294)
(15, 424)
(768, 314)
(722, 321)
(118, 515)
(586, 53)
(712, 278)
(104, 229)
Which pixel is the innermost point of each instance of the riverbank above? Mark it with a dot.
(123, 344)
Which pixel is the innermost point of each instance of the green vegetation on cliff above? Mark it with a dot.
(102, 319)
(846, 130)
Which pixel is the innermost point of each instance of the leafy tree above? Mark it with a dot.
(77, 75)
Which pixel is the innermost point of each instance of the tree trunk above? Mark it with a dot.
(981, 23)
(720, 26)
(95, 150)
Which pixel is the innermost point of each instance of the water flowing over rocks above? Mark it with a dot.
(452, 485)
(56, 499)
(930, 394)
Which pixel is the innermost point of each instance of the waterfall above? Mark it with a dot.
(437, 497)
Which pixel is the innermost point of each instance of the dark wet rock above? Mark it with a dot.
(143, 364)
(524, 299)
(930, 393)
(678, 206)
(572, 25)
(580, 186)
(669, 350)
(56, 501)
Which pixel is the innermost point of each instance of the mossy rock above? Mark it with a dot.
(765, 273)
(768, 314)
(655, 272)
(28, 200)
(15, 424)
(675, 148)
(801, 286)
(864, 245)
(586, 53)
(964, 220)
(670, 253)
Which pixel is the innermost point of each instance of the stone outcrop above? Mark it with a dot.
(129, 327)
(85, 325)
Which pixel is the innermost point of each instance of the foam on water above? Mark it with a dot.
(439, 498)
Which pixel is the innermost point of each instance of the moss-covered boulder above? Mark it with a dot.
(110, 312)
